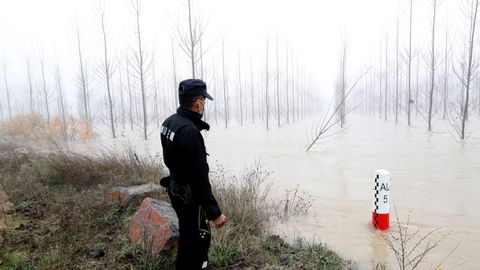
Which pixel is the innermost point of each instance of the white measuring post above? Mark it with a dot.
(381, 200)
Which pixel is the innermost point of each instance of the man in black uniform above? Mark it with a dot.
(189, 188)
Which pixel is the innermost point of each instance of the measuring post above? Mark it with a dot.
(381, 200)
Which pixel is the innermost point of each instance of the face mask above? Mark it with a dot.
(203, 109)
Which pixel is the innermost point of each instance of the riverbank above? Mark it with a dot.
(62, 218)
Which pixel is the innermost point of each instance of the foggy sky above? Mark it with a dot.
(312, 30)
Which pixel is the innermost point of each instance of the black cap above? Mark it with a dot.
(192, 88)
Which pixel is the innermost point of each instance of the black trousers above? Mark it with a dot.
(195, 235)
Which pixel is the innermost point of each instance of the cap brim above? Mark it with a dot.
(206, 95)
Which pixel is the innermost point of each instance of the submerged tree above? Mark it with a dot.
(328, 119)
(468, 66)
(341, 85)
(433, 66)
(409, 65)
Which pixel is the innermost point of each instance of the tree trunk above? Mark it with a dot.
(432, 68)
(445, 79)
(30, 87)
(396, 76)
(473, 24)
(278, 87)
(266, 88)
(141, 70)
(192, 41)
(45, 91)
(386, 77)
(61, 103)
(83, 79)
(240, 90)
(106, 66)
(409, 102)
(8, 91)
(130, 98)
(251, 91)
(224, 79)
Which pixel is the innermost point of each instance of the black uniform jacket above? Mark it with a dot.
(185, 155)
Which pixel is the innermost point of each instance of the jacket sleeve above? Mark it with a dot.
(196, 163)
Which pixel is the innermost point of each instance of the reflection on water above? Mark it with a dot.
(435, 181)
(379, 248)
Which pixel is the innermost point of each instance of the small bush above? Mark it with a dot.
(29, 126)
(33, 127)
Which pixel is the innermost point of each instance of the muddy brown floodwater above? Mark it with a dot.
(435, 182)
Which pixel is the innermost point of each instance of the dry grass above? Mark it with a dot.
(62, 214)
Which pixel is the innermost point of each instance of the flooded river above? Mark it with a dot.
(435, 183)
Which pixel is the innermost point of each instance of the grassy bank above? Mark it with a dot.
(62, 218)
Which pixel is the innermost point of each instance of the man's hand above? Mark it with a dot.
(220, 221)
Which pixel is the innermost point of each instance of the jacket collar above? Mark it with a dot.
(195, 117)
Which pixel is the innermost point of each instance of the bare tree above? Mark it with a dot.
(61, 102)
(342, 84)
(7, 90)
(267, 105)
(155, 98)
(468, 66)
(122, 99)
(380, 84)
(224, 80)
(175, 80)
(433, 66)
(445, 78)
(277, 86)
(83, 79)
(328, 119)
(287, 84)
(130, 96)
(141, 66)
(293, 87)
(396, 75)
(190, 41)
(240, 95)
(44, 88)
(386, 76)
(251, 91)
(409, 57)
(214, 80)
(107, 69)
(30, 87)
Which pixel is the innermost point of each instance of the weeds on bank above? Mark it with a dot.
(62, 212)
(62, 216)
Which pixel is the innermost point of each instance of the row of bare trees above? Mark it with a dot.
(427, 84)
(120, 93)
